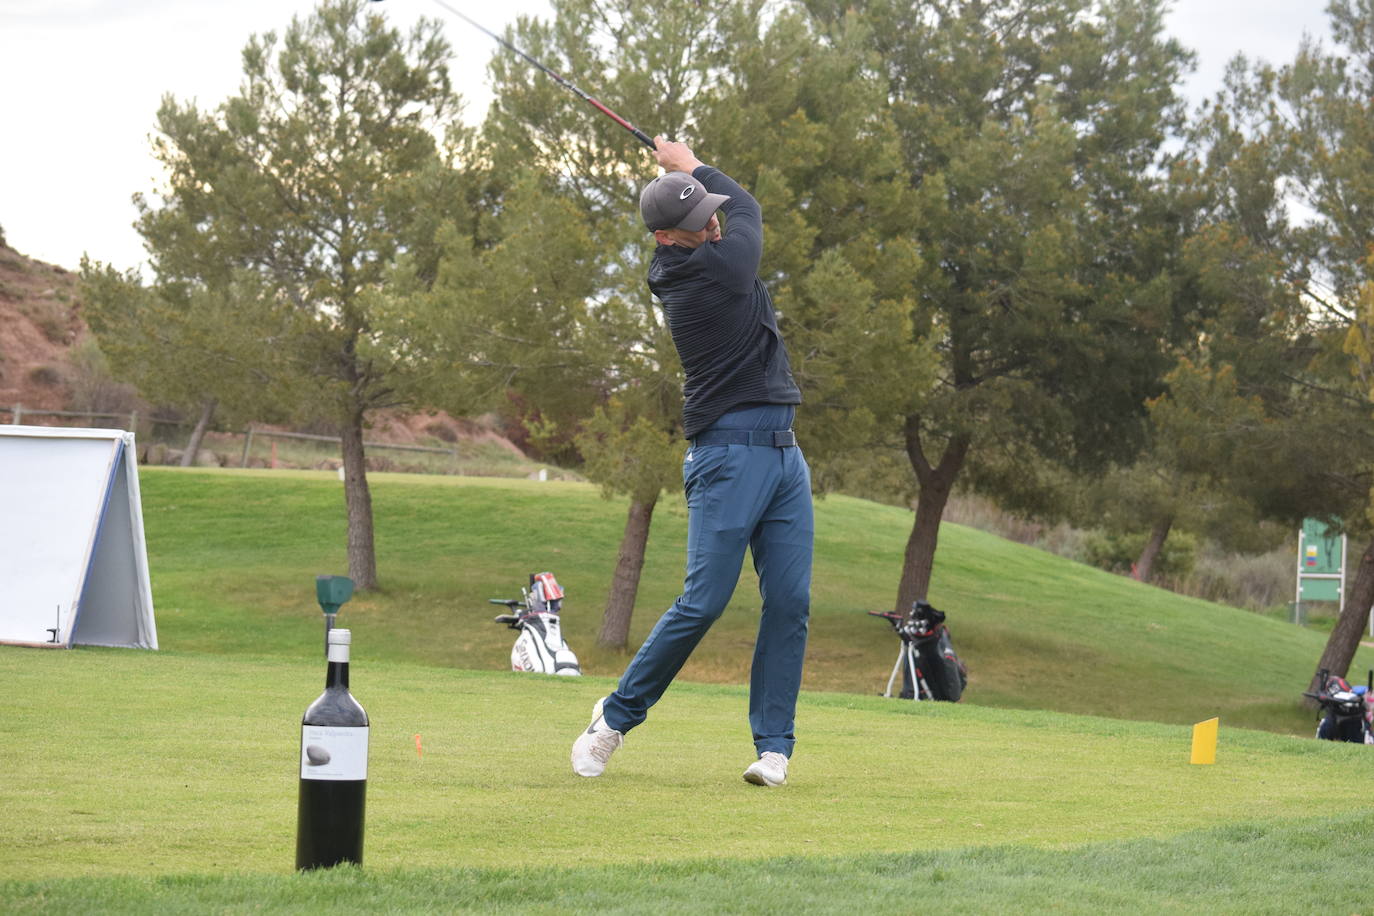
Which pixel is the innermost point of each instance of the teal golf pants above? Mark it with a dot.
(738, 495)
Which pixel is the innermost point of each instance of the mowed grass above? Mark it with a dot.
(166, 782)
(141, 782)
(1256, 869)
(234, 555)
(1246, 869)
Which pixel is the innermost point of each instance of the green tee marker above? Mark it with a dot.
(331, 592)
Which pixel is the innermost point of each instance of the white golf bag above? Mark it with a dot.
(539, 646)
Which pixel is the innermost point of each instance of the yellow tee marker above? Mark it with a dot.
(1205, 742)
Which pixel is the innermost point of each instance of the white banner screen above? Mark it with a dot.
(71, 539)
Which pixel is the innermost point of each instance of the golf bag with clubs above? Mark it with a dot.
(930, 669)
(1345, 710)
(540, 646)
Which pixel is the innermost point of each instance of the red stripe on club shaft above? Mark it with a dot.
(639, 134)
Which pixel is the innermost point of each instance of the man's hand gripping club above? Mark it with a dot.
(675, 156)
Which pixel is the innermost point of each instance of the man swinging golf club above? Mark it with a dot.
(746, 481)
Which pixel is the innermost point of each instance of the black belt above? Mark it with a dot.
(777, 438)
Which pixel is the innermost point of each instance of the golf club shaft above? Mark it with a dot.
(640, 135)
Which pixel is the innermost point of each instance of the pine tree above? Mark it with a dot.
(286, 210)
(1035, 239)
(1289, 140)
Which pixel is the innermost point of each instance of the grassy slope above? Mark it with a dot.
(140, 782)
(234, 555)
(195, 775)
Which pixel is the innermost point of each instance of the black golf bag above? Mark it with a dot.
(540, 646)
(930, 668)
(1345, 712)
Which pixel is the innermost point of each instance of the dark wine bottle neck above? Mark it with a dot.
(337, 676)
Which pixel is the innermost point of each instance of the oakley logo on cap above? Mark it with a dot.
(678, 201)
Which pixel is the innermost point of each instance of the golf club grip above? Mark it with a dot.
(639, 135)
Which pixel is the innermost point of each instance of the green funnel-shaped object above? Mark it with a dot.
(333, 591)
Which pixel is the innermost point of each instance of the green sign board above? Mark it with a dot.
(1321, 554)
(1321, 590)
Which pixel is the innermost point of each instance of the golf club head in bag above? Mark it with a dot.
(944, 674)
(540, 646)
(1345, 711)
(939, 674)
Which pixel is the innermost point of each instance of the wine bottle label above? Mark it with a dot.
(329, 752)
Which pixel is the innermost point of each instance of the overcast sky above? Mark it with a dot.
(83, 79)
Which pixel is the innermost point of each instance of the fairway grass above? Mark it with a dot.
(170, 779)
(234, 555)
(1301, 867)
(139, 782)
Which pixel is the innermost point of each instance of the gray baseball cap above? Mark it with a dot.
(678, 201)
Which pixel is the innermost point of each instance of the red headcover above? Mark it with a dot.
(552, 590)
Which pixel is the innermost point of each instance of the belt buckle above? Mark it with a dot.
(784, 438)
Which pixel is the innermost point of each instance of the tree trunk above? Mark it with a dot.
(362, 557)
(936, 483)
(207, 412)
(1350, 626)
(620, 604)
(1154, 545)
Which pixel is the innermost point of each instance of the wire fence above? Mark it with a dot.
(250, 447)
(18, 413)
(162, 440)
(254, 451)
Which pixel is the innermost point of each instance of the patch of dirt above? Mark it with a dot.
(40, 323)
(40, 320)
(414, 428)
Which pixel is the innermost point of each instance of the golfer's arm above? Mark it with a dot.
(737, 255)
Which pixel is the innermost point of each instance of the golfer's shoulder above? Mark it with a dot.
(717, 182)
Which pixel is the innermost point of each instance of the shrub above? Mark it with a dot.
(94, 388)
(47, 376)
(51, 316)
(1118, 553)
(442, 432)
(1253, 581)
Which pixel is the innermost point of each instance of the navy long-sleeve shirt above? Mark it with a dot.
(721, 316)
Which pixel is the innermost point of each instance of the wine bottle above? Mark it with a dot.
(333, 791)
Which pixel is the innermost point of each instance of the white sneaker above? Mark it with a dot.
(593, 748)
(769, 770)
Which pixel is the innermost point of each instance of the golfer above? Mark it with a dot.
(746, 481)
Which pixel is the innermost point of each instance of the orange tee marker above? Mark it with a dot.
(419, 751)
